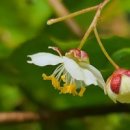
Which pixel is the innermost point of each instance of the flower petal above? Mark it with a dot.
(43, 59)
(73, 68)
(89, 78)
(112, 95)
(79, 73)
(125, 85)
(97, 74)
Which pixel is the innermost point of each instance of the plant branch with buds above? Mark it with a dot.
(91, 28)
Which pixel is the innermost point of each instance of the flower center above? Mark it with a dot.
(62, 81)
(71, 89)
(54, 81)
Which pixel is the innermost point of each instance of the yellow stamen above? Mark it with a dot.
(81, 92)
(54, 81)
(71, 89)
(63, 77)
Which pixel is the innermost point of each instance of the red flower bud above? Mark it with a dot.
(118, 86)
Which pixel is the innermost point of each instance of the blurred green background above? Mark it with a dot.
(23, 31)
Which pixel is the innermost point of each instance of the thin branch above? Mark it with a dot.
(93, 24)
(18, 117)
(52, 21)
(62, 11)
(13, 117)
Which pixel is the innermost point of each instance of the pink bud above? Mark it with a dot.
(118, 86)
(78, 54)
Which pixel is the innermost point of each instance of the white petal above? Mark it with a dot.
(89, 78)
(43, 59)
(79, 73)
(97, 74)
(125, 98)
(111, 94)
(124, 94)
(73, 68)
(125, 85)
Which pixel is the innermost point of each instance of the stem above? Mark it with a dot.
(93, 24)
(104, 50)
(52, 21)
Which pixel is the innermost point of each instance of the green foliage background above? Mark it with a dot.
(23, 31)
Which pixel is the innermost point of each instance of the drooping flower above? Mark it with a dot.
(118, 86)
(73, 73)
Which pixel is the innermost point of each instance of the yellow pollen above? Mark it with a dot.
(71, 89)
(63, 77)
(81, 92)
(54, 81)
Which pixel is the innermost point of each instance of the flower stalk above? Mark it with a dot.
(52, 21)
(104, 50)
(93, 24)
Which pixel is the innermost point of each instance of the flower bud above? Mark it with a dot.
(78, 55)
(118, 86)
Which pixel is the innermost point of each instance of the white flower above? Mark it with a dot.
(73, 73)
(118, 86)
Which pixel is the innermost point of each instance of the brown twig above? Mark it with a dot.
(18, 117)
(62, 11)
(13, 117)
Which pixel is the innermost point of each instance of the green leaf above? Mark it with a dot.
(122, 56)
